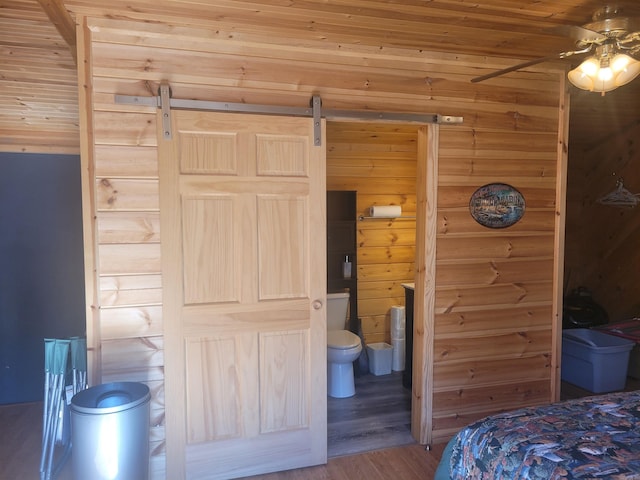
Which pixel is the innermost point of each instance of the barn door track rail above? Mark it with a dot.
(165, 102)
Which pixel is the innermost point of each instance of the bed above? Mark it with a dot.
(588, 438)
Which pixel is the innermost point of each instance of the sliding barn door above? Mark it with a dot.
(244, 288)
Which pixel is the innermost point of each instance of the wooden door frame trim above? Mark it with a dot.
(559, 239)
(425, 281)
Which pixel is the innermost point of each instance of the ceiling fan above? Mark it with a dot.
(612, 39)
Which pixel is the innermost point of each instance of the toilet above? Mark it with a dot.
(343, 348)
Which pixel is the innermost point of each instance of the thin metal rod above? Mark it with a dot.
(422, 118)
(363, 217)
(241, 108)
(390, 116)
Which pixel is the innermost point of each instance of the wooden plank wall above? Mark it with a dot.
(128, 239)
(604, 251)
(379, 163)
(494, 288)
(494, 324)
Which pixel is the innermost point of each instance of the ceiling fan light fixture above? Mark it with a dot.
(605, 74)
(601, 73)
(585, 75)
(625, 69)
(590, 67)
(620, 62)
(613, 42)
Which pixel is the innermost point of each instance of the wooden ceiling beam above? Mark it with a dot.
(63, 21)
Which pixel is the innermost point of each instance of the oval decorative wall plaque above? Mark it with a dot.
(496, 205)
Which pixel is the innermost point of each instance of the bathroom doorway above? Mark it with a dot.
(378, 161)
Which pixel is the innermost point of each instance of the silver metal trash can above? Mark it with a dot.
(110, 432)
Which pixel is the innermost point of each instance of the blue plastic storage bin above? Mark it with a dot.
(594, 360)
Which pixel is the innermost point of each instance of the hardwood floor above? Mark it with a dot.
(410, 462)
(377, 416)
(21, 433)
(369, 436)
(376, 420)
(21, 442)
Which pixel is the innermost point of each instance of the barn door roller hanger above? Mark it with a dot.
(165, 102)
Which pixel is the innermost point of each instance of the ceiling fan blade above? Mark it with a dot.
(557, 56)
(579, 34)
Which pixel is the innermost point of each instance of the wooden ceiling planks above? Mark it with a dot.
(384, 24)
(498, 32)
(38, 83)
(515, 29)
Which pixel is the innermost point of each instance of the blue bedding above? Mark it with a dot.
(589, 438)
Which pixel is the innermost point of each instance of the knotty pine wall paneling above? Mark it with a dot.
(494, 319)
(120, 183)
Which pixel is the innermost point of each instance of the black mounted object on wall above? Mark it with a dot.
(580, 310)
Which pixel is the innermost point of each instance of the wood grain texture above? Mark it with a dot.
(39, 80)
(282, 54)
(241, 199)
(63, 21)
(89, 230)
(38, 116)
(480, 279)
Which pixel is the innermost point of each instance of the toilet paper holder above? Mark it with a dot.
(385, 212)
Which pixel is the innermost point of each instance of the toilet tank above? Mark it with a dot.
(337, 307)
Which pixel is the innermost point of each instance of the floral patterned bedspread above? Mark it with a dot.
(589, 438)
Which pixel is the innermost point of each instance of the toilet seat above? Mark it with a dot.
(342, 339)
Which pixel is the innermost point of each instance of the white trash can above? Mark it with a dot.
(380, 357)
(110, 432)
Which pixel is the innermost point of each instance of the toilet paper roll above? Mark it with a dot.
(386, 211)
(397, 311)
(397, 360)
(397, 315)
(398, 335)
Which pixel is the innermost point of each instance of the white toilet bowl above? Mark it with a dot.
(343, 348)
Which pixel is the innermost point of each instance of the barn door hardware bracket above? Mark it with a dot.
(316, 105)
(165, 102)
(448, 120)
(165, 105)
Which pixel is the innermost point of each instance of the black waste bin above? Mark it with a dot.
(580, 310)
(110, 432)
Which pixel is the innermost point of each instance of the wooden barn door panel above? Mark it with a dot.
(243, 252)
